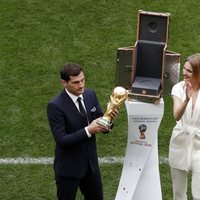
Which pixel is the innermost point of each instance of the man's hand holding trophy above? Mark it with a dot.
(119, 95)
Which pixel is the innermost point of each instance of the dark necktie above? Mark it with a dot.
(81, 108)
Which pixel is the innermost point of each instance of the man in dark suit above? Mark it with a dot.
(74, 125)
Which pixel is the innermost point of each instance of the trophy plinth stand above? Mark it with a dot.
(140, 178)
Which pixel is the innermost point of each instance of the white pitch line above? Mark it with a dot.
(27, 160)
(49, 160)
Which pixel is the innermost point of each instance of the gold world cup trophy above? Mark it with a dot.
(119, 95)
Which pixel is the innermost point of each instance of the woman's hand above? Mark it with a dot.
(188, 90)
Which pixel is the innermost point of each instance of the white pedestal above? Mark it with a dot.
(140, 179)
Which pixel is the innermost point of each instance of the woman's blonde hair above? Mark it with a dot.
(194, 61)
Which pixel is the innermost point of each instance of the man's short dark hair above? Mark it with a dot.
(70, 69)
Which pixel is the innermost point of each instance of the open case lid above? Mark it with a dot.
(171, 71)
(153, 26)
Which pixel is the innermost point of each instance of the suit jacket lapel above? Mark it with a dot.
(87, 103)
(70, 104)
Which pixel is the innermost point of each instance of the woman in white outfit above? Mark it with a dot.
(184, 148)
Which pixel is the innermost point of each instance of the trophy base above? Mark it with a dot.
(104, 122)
